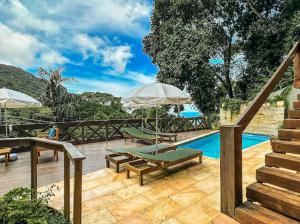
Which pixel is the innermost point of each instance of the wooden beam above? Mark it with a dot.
(77, 192)
(259, 100)
(33, 155)
(231, 168)
(296, 62)
(66, 184)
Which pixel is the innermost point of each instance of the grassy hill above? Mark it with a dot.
(17, 79)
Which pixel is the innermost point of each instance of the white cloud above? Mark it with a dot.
(141, 78)
(53, 58)
(25, 50)
(123, 16)
(23, 19)
(88, 45)
(18, 48)
(116, 88)
(117, 57)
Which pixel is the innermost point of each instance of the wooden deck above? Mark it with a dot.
(17, 173)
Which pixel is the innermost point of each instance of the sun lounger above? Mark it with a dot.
(149, 163)
(160, 134)
(123, 155)
(134, 133)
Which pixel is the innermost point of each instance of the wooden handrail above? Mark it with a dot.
(70, 154)
(262, 96)
(231, 137)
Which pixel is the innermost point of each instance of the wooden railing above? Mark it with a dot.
(80, 132)
(70, 154)
(231, 137)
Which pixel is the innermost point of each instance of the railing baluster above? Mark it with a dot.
(231, 168)
(66, 184)
(33, 155)
(77, 192)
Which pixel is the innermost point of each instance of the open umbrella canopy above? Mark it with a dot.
(13, 99)
(157, 94)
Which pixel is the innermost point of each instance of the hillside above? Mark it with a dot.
(17, 79)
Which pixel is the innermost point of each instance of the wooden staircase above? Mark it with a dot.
(275, 197)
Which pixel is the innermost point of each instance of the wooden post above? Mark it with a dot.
(231, 168)
(33, 155)
(82, 133)
(296, 62)
(66, 184)
(106, 131)
(77, 192)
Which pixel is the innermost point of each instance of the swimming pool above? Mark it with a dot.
(210, 144)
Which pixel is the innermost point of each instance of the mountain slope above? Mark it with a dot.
(17, 79)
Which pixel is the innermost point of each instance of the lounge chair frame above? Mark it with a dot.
(143, 166)
(113, 158)
(169, 136)
(150, 140)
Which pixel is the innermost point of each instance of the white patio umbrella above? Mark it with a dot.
(14, 99)
(157, 94)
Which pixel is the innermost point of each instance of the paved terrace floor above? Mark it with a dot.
(183, 194)
(17, 173)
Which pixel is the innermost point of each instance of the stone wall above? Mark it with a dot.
(267, 120)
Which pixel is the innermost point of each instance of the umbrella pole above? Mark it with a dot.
(5, 115)
(142, 119)
(156, 134)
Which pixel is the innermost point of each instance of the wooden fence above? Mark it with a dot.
(71, 155)
(80, 132)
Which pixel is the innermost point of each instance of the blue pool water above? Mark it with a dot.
(210, 145)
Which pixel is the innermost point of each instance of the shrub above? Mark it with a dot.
(213, 120)
(17, 207)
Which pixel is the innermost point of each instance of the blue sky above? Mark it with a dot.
(99, 42)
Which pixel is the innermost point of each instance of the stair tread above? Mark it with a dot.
(286, 142)
(250, 213)
(275, 199)
(291, 130)
(291, 123)
(283, 160)
(285, 133)
(276, 171)
(278, 177)
(294, 113)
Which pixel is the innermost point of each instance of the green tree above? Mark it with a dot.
(179, 44)
(56, 96)
(266, 35)
(185, 35)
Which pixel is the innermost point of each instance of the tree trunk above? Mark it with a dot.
(227, 69)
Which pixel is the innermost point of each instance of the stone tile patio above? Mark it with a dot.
(186, 193)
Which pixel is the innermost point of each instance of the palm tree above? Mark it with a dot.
(56, 96)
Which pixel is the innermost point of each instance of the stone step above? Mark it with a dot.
(280, 178)
(250, 213)
(294, 114)
(289, 134)
(291, 123)
(280, 160)
(296, 105)
(277, 200)
(284, 146)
